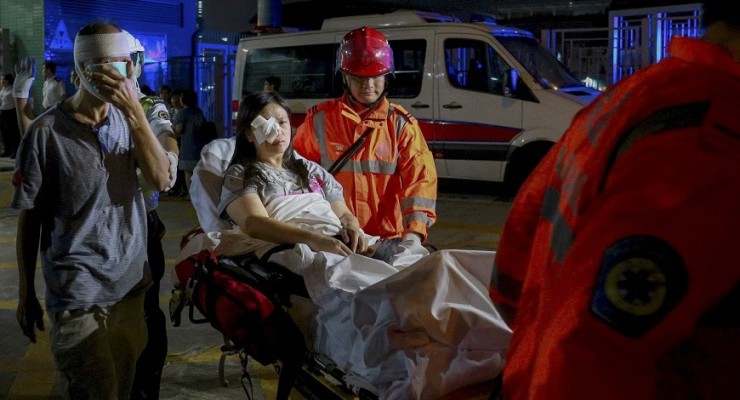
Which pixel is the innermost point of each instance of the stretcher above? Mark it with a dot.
(372, 338)
(315, 376)
(320, 371)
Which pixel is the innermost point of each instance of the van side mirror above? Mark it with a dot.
(511, 80)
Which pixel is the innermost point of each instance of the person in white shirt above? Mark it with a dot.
(54, 90)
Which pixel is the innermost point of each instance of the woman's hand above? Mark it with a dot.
(325, 243)
(353, 236)
(351, 233)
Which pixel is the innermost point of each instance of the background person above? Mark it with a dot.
(82, 208)
(9, 127)
(188, 124)
(615, 266)
(165, 93)
(25, 75)
(53, 91)
(390, 184)
(180, 188)
(176, 102)
(272, 84)
(152, 359)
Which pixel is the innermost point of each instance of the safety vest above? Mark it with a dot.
(616, 263)
(390, 184)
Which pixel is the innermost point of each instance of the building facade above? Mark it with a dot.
(45, 30)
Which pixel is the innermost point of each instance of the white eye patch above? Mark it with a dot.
(265, 130)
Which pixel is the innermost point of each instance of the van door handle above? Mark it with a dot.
(452, 105)
(419, 104)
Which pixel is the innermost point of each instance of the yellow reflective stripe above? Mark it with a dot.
(418, 216)
(400, 124)
(418, 202)
(319, 130)
(370, 166)
(353, 117)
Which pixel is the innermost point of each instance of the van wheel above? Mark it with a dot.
(522, 163)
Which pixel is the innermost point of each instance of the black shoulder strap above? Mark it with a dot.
(665, 120)
(339, 163)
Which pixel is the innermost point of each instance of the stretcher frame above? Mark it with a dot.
(319, 377)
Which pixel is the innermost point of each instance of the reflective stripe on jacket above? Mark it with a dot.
(390, 184)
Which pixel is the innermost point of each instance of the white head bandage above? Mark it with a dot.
(101, 45)
(92, 47)
(265, 130)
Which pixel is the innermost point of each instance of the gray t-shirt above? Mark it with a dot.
(83, 182)
(270, 183)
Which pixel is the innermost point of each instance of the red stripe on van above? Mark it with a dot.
(454, 131)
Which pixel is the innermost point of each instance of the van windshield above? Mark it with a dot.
(543, 66)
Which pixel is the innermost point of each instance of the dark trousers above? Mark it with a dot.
(10, 131)
(152, 359)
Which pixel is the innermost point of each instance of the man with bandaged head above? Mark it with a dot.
(81, 206)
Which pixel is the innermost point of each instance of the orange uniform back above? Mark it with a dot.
(616, 263)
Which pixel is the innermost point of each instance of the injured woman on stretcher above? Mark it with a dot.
(412, 324)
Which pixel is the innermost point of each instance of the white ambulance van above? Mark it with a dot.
(490, 99)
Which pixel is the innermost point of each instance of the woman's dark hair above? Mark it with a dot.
(9, 77)
(245, 152)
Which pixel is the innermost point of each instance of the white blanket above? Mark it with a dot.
(414, 332)
(418, 327)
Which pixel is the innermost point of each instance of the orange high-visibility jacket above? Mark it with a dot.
(617, 262)
(390, 184)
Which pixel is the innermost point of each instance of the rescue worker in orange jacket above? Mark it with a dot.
(617, 263)
(390, 183)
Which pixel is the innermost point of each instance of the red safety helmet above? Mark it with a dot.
(365, 52)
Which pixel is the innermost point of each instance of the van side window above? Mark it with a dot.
(474, 65)
(307, 72)
(408, 59)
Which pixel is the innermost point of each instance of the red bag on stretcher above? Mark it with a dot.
(230, 298)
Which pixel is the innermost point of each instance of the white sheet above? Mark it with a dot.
(417, 328)
(414, 332)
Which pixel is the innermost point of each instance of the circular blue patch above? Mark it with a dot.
(640, 280)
